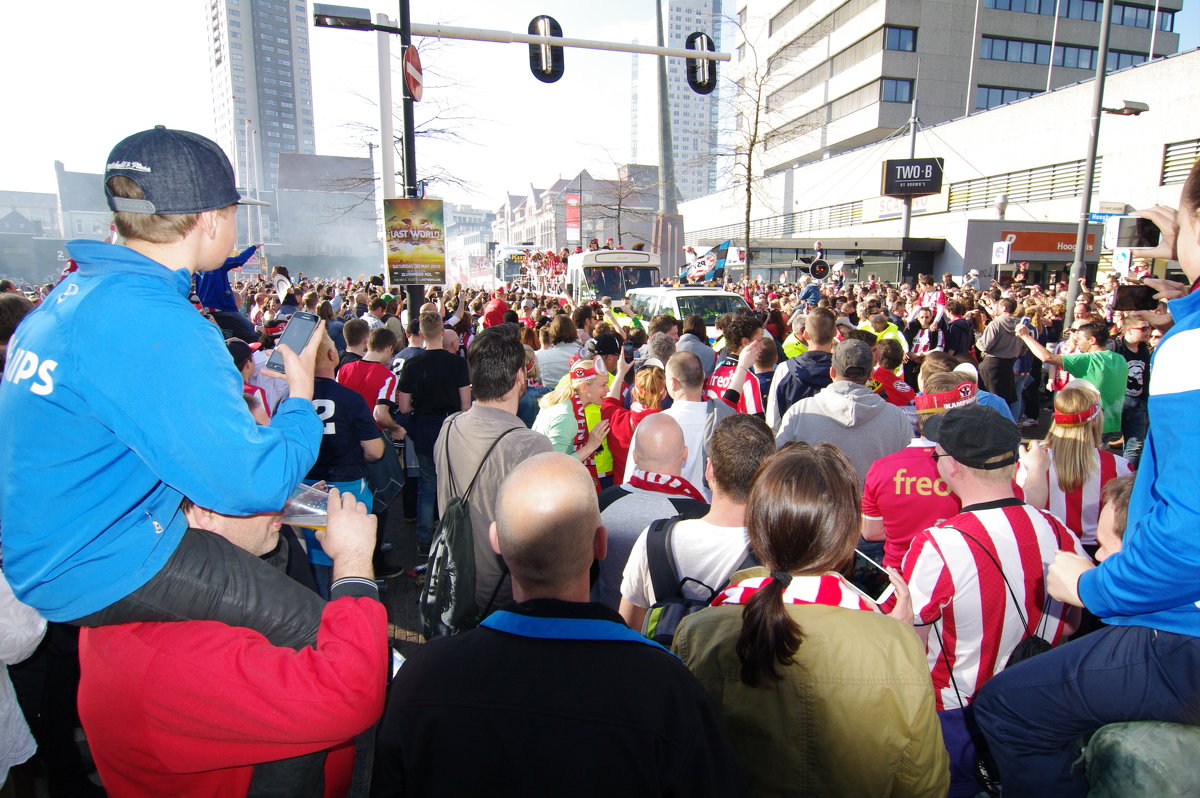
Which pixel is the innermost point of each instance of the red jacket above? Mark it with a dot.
(622, 423)
(187, 708)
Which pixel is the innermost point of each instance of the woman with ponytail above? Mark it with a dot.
(821, 693)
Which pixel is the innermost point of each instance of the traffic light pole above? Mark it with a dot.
(414, 294)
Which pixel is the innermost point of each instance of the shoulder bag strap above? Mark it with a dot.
(1011, 592)
(467, 493)
(663, 578)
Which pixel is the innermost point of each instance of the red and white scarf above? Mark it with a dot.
(828, 589)
(581, 430)
(664, 483)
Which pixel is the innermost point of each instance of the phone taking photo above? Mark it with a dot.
(1130, 232)
(1135, 297)
(299, 329)
(868, 578)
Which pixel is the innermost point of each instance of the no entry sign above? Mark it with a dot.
(413, 77)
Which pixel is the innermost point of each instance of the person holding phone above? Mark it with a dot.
(93, 531)
(1144, 664)
(821, 693)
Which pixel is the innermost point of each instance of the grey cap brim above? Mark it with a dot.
(244, 201)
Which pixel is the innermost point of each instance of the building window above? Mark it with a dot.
(902, 39)
(1118, 59)
(1015, 50)
(897, 90)
(1074, 57)
(993, 96)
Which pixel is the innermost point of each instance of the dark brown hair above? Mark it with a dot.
(802, 517)
(740, 443)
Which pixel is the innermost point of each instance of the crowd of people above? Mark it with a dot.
(662, 525)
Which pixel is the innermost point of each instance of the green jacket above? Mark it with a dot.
(854, 716)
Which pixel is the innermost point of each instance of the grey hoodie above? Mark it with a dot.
(852, 417)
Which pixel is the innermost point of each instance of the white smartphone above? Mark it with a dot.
(868, 578)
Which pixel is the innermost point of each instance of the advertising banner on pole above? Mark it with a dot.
(416, 241)
(573, 217)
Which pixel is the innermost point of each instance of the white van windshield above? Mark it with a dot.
(708, 306)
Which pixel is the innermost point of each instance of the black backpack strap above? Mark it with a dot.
(467, 492)
(658, 556)
(1011, 592)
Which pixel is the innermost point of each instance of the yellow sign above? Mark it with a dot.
(416, 241)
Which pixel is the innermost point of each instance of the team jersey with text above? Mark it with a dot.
(905, 492)
(721, 380)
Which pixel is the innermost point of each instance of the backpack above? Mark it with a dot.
(447, 604)
(670, 605)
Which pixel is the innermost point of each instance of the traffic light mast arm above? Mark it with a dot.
(507, 37)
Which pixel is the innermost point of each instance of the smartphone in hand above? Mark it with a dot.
(299, 329)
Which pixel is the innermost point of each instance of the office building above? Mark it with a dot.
(838, 74)
(261, 78)
(1014, 173)
(695, 118)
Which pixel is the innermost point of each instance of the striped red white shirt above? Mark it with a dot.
(957, 587)
(1079, 509)
(721, 380)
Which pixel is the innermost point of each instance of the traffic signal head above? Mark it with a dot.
(819, 269)
(546, 60)
(701, 72)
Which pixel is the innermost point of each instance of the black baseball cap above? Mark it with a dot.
(178, 172)
(608, 344)
(977, 436)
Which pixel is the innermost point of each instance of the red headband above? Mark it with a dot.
(961, 395)
(1077, 419)
(585, 370)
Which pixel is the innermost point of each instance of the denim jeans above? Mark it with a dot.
(426, 500)
(1034, 713)
(1134, 422)
(1017, 406)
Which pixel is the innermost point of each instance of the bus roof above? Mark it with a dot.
(614, 257)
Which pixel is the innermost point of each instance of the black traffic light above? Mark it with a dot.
(546, 60)
(701, 72)
(819, 269)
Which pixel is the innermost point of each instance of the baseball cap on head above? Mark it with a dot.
(178, 172)
(608, 344)
(852, 358)
(977, 436)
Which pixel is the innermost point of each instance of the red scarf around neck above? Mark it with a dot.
(664, 483)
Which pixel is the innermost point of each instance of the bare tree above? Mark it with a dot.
(756, 97)
(625, 200)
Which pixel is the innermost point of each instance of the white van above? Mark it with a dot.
(610, 272)
(686, 301)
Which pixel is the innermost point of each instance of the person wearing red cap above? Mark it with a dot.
(493, 311)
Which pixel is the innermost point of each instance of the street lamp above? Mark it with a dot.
(1128, 108)
(345, 17)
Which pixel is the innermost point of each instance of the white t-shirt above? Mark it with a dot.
(702, 551)
(691, 417)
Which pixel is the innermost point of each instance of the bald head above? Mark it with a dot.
(547, 519)
(659, 446)
(685, 376)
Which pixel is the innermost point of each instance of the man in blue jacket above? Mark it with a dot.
(1145, 663)
(106, 432)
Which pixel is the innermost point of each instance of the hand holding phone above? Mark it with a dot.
(870, 579)
(1135, 297)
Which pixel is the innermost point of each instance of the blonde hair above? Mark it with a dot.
(533, 371)
(649, 383)
(1074, 447)
(560, 393)
(156, 229)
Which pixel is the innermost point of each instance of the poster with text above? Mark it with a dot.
(416, 241)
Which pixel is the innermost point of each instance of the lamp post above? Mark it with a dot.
(1128, 108)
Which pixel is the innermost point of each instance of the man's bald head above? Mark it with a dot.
(659, 446)
(547, 517)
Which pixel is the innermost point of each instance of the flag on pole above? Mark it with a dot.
(712, 265)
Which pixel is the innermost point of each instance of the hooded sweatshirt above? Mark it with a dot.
(797, 378)
(852, 417)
